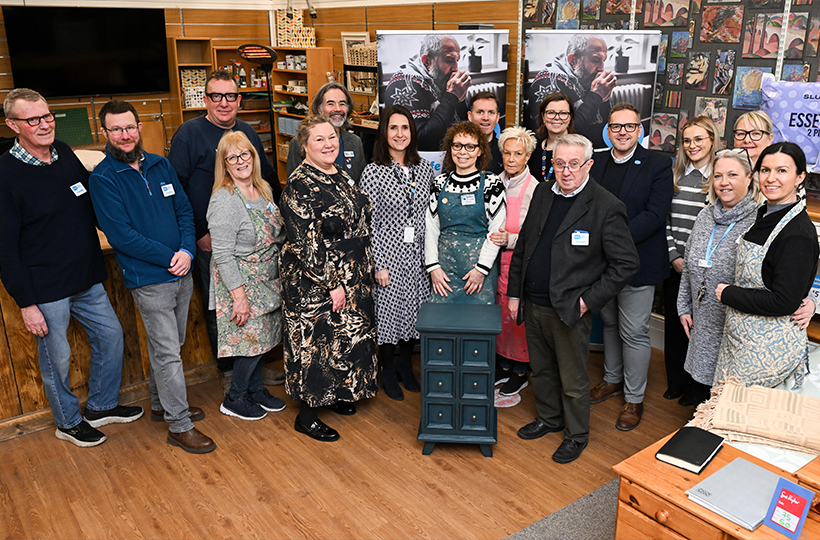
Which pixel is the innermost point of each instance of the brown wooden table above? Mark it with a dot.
(652, 501)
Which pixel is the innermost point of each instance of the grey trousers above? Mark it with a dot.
(558, 358)
(164, 311)
(627, 348)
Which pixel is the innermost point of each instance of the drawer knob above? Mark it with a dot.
(662, 516)
(475, 352)
(475, 385)
(440, 415)
(439, 351)
(440, 384)
(473, 418)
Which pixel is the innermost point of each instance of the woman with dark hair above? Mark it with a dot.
(327, 284)
(693, 165)
(398, 182)
(775, 268)
(466, 205)
(556, 117)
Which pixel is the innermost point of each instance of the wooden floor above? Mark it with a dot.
(266, 481)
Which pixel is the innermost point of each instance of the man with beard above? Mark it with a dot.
(192, 154)
(53, 267)
(143, 211)
(579, 73)
(432, 88)
(333, 100)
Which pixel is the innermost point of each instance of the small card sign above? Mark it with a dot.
(788, 509)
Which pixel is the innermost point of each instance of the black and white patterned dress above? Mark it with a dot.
(398, 204)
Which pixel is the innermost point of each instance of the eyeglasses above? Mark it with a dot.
(737, 152)
(561, 115)
(458, 146)
(216, 97)
(697, 141)
(245, 155)
(628, 127)
(118, 131)
(755, 134)
(573, 166)
(34, 121)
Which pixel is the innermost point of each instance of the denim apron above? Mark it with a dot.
(463, 231)
(757, 349)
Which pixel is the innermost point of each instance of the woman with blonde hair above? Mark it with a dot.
(246, 234)
(693, 166)
(753, 131)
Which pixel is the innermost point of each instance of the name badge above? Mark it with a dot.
(703, 263)
(580, 238)
(167, 190)
(409, 233)
(468, 199)
(351, 182)
(349, 153)
(79, 189)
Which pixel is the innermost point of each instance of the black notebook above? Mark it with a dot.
(691, 448)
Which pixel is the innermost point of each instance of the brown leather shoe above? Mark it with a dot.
(630, 416)
(192, 441)
(197, 414)
(604, 390)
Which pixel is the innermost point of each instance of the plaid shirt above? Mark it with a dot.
(26, 157)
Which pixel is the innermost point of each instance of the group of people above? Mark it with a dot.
(337, 265)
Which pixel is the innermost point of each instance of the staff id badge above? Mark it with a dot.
(79, 189)
(580, 238)
(409, 233)
(167, 190)
(703, 263)
(468, 199)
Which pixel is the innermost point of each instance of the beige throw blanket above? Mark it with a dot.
(761, 415)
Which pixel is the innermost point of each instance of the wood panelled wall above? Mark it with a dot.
(502, 14)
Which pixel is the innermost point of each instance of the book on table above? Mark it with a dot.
(691, 448)
(740, 491)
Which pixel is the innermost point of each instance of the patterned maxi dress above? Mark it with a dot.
(399, 202)
(329, 356)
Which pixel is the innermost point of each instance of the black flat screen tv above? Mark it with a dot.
(67, 52)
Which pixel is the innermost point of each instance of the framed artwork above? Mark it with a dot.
(683, 117)
(813, 38)
(680, 44)
(622, 7)
(531, 10)
(761, 36)
(567, 12)
(715, 109)
(801, 2)
(357, 82)
(658, 97)
(548, 13)
(697, 70)
(795, 73)
(666, 13)
(591, 10)
(747, 93)
(796, 35)
(662, 54)
(663, 132)
(695, 7)
(768, 4)
(673, 99)
(724, 71)
(674, 74)
(349, 39)
(721, 24)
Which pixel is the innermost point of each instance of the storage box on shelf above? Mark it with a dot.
(318, 62)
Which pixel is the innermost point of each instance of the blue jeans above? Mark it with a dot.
(247, 376)
(164, 311)
(93, 311)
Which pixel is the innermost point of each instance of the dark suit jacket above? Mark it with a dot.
(647, 193)
(598, 271)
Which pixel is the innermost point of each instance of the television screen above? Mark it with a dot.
(66, 52)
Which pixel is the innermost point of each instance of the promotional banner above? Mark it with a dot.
(794, 108)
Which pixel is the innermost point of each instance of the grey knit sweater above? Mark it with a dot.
(708, 314)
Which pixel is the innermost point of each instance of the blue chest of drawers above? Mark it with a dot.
(457, 374)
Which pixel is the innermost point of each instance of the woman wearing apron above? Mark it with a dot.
(775, 269)
(246, 233)
(466, 204)
(517, 144)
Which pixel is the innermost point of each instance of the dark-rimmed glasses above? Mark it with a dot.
(245, 155)
(755, 134)
(560, 115)
(628, 127)
(216, 97)
(34, 121)
(458, 146)
(118, 131)
(573, 166)
(740, 152)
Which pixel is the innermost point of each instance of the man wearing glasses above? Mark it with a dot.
(193, 155)
(574, 253)
(642, 180)
(580, 74)
(143, 211)
(53, 268)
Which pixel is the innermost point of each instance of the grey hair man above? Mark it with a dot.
(334, 101)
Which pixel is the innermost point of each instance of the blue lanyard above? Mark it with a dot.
(709, 250)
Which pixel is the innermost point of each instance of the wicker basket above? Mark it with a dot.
(282, 150)
(363, 54)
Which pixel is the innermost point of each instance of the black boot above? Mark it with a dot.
(390, 383)
(404, 367)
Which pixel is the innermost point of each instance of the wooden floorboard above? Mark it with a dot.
(266, 481)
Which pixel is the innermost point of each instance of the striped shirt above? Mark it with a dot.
(685, 208)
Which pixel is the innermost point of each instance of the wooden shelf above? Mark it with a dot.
(289, 70)
(300, 94)
(197, 64)
(291, 115)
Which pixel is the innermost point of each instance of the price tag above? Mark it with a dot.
(788, 509)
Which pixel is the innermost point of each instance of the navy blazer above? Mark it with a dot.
(597, 271)
(647, 193)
